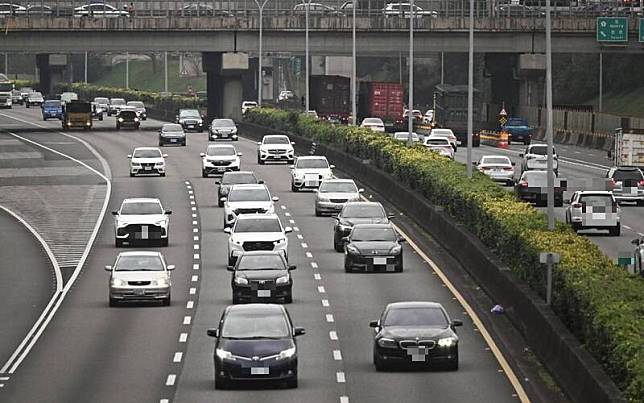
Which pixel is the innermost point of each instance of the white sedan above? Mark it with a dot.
(147, 160)
(375, 124)
(440, 145)
(99, 10)
(498, 167)
(445, 133)
(256, 232)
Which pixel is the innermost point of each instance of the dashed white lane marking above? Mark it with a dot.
(177, 356)
(194, 216)
(195, 247)
(192, 203)
(183, 337)
(190, 304)
(164, 401)
(314, 265)
(170, 380)
(195, 223)
(337, 355)
(325, 303)
(305, 245)
(317, 276)
(195, 278)
(626, 226)
(194, 208)
(291, 221)
(196, 256)
(299, 236)
(187, 320)
(309, 255)
(190, 192)
(195, 266)
(192, 197)
(344, 399)
(283, 207)
(339, 376)
(333, 335)
(329, 318)
(296, 229)
(195, 230)
(321, 289)
(287, 214)
(193, 291)
(195, 238)
(190, 186)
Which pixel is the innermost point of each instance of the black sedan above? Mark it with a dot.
(261, 276)
(234, 178)
(127, 119)
(533, 187)
(416, 334)
(172, 133)
(255, 342)
(356, 213)
(373, 248)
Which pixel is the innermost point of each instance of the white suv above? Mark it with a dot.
(309, 171)
(141, 219)
(275, 147)
(147, 160)
(247, 199)
(219, 158)
(256, 232)
(594, 209)
(535, 157)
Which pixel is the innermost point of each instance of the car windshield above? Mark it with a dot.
(373, 234)
(255, 325)
(312, 163)
(141, 208)
(189, 113)
(261, 262)
(362, 211)
(223, 123)
(239, 195)
(212, 151)
(338, 187)
(534, 176)
(623, 174)
(276, 140)
(517, 122)
(258, 225)
(172, 128)
(101, 100)
(437, 142)
(495, 161)
(432, 317)
(442, 132)
(117, 101)
(52, 103)
(372, 121)
(234, 178)
(139, 263)
(127, 114)
(596, 200)
(541, 150)
(35, 95)
(149, 153)
(136, 104)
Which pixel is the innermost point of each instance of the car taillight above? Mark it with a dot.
(614, 207)
(640, 183)
(576, 205)
(612, 184)
(507, 168)
(523, 184)
(485, 168)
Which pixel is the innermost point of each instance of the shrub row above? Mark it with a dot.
(600, 303)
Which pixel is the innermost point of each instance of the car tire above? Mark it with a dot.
(261, 161)
(640, 203)
(183, 144)
(118, 127)
(616, 230)
(575, 227)
(113, 302)
(118, 243)
(100, 117)
(160, 144)
(220, 383)
(294, 188)
(220, 203)
(526, 142)
(204, 175)
(291, 383)
(236, 300)
(162, 175)
(44, 119)
(131, 175)
(338, 246)
(452, 365)
(231, 261)
(318, 213)
(288, 299)
(377, 362)
(165, 241)
(166, 301)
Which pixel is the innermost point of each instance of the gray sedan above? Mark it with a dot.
(333, 194)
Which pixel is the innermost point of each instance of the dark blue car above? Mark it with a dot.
(52, 109)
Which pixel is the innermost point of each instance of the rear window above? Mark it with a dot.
(624, 174)
(596, 200)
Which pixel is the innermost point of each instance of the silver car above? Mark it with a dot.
(333, 194)
(498, 167)
(139, 276)
(627, 184)
(594, 209)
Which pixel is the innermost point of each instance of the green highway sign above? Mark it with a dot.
(612, 29)
(641, 29)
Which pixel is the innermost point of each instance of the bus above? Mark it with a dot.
(450, 111)
(6, 86)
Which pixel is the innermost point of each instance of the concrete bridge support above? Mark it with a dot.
(51, 71)
(531, 69)
(224, 83)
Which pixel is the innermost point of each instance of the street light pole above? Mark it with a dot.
(470, 92)
(550, 176)
(127, 70)
(259, 74)
(354, 109)
(601, 79)
(306, 56)
(410, 115)
(85, 67)
(165, 71)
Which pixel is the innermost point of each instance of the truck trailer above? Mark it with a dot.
(629, 147)
(330, 97)
(381, 100)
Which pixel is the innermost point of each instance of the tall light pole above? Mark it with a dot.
(259, 74)
(551, 177)
(354, 109)
(165, 71)
(601, 79)
(470, 92)
(6, 64)
(306, 55)
(410, 115)
(127, 70)
(85, 67)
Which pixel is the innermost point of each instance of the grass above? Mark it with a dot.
(143, 78)
(629, 103)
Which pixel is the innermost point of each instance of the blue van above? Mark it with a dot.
(52, 108)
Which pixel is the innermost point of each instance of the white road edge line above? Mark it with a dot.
(34, 337)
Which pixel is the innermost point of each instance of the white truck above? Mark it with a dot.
(6, 86)
(629, 147)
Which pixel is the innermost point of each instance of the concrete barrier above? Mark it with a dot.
(576, 371)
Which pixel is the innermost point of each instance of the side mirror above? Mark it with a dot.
(165, 155)
(634, 242)
(217, 182)
(298, 331)
(115, 212)
(275, 198)
(170, 267)
(332, 166)
(223, 199)
(213, 332)
(260, 182)
(475, 163)
(292, 166)
(292, 267)
(168, 212)
(456, 323)
(292, 143)
(514, 164)
(239, 154)
(566, 201)
(108, 268)
(230, 268)
(335, 216)
(345, 239)
(228, 230)
(202, 155)
(360, 190)
(401, 239)
(259, 143)
(129, 155)
(390, 216)
(288, 230)
(374, 323)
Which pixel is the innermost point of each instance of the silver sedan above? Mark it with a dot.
(333, 194)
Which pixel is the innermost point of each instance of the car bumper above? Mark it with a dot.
(276, 157)
(144, 232)
(128, 125)
(373, 263)
(172, 140)
(397, 356)
(629, 197)
(139, 293)
(222, 136)
(219, 169)
(501, 177)
(251, 294)
(239, 370)
(192, 127)
(48, 115)
(328, 207)
(144, 171)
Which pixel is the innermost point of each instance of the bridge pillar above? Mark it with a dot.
(224, 83)
(531, 69)
(51, 71)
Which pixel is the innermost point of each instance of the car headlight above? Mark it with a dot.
(235, 243)
(136, 119)
(234, 130)
(298, 175)
(241, 281)
(200, 122)
(160, 223)
(387, 343)
(136, 165)
(344, 227)
(280, 241)
(396, 250)
(288, 353)
(120, 119)
(159, 164)
(323, 198)
(162, 282)
(224, 355)
(282, 280)
(118, 282)
(446, 342)
(352, 250)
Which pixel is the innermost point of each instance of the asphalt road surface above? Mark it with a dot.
(150, 353)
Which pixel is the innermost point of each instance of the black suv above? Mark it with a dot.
(127, 119)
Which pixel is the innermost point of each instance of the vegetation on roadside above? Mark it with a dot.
(600, 303)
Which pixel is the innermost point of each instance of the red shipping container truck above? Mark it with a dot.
(381, 100)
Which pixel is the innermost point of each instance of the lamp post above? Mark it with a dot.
(551, 177)
(410, 115)
(306, 55)
(165, 71)
(470, 92)
(127, 70)
(259, 74)
(354, 111)
(85, 67)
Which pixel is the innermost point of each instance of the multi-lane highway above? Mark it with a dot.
(87, 351)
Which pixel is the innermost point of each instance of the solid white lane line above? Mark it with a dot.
(195, 266)
(337, 355)
(187, 320)
(325, 303)
(309, 255)
(321, 289)
(177, 356)
(170, 380)
(190, 304)
(317, 276)
(304, 245)
(333, 335)
(339, 377)
(193, 291)
(183, 337)
(314, 265)
(329, 318)
(195, 278)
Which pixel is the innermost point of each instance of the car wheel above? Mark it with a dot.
(261, 161)
(165, 241)
(113, 302)
(559, 203)
(118, 127)
(526, 142)
(204, 175)
(100, 117)
(292, 383)
(616, 230)
(166, 301)
(220, 203)
(160, 144)
(118, 242)
(377, 362)
(347, 266)
(575, 227)
(231, 261)
(338, 246)
(45, 119)
(294, 188)
(163, 174)
(131, 175)
(27, 105)
(318, 213)
(288, 299)
(220, 383)
(452, 365)
(183, 144)
(640, 203)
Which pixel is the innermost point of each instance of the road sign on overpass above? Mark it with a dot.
(612, 29)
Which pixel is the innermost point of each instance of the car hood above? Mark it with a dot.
(372, 220)
(350, 196)
(317, 171)
(139, 275)
(283, 147)
(257, 236)
(221, 158)
(400, 332)
(369, 246)
(39, 99)
(266, 205)
(53, 108)
(256, 347)
(147, 160)
(223, 129)
(196, 119)
(141, 219)
(261, 274)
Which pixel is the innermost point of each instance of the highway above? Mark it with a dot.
(149, 353)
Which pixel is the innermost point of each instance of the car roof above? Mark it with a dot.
(373, 226)
(312, 157)
(414, 304)
(626, 168)
(147, 148)
(275, 135)
(232, 173)
(221, 146)
(337, 180)
(141, 200)
(258, 216)
(250, 186)
(363, 203)
(140, 253)
(496, 156)
(595, 193)
(267, 308)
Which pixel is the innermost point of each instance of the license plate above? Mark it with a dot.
(379, 260)
(173, 140)
(224, 135)
(139, 292)
(264, 293)
(311, 180)
(191, 126)
(221, 169)
(259, 370)
(417, 354)
(144, 232)
(148, 168)
(598, 216)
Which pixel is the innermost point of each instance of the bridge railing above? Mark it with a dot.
(332, 8)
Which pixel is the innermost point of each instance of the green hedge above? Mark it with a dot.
(600, 303)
